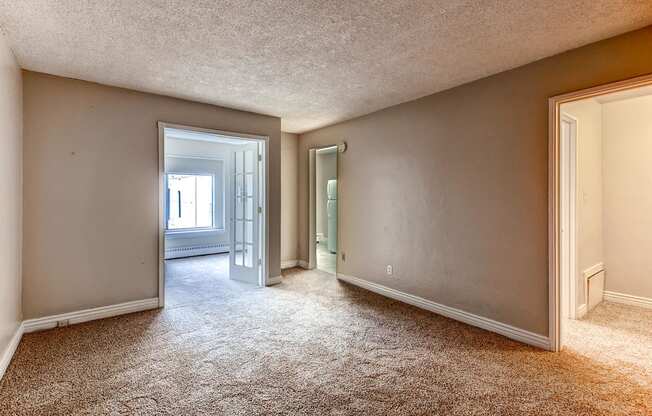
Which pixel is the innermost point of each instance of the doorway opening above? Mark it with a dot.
(601, 218)
(323, 208)
(212, 212)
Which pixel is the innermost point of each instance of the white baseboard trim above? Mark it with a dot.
(10, 350)
(274, 280)
(581, 311)
(628, 299)
(304, 264)
(508, 331)
(48, 322)
(287, 264)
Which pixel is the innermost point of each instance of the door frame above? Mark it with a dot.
(554, 234)
(568, 280)
(312, 204)
(265, 279)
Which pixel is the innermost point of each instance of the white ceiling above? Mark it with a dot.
(310, 62)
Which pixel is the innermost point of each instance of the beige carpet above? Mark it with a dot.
(615, 336)
(310, 346)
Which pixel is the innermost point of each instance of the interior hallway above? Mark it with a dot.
(311, 345)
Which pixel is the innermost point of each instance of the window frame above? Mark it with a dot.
(186, 232)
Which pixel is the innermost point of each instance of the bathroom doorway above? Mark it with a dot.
(323, 209)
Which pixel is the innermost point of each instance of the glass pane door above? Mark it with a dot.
(245, 215)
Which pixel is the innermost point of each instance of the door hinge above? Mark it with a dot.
(260, 262)
(260, 158)
(260, 210)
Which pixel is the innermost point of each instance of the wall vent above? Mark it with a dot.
(595, 290)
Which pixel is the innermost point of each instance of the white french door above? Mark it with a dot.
(245, 259)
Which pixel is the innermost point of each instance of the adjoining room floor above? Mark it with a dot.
(326, 260)
(615, 336)
(310, 345)
(192, 280)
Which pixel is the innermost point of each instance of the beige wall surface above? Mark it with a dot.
(11, 148)
(589, 238)
(452, 189)
(628, 196)
(289, 198)
(91, 189)
(325, 169)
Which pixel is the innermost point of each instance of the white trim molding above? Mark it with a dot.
(9, 352)
(304, 264)
(508, 331)
(568, 216)
(581, 311)
(48, 322)
(274, 280)
(631, 300)
(288, 264)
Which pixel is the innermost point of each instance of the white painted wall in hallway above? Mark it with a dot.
(627, 167)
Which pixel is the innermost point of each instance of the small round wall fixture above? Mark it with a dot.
(341, 147)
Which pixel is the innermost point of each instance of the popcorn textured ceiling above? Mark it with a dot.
(310, 62)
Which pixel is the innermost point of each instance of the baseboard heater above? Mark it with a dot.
(178, 252)
(595, 279)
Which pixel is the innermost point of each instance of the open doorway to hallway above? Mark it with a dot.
(212, 204)
(605, 228)
(324, 209)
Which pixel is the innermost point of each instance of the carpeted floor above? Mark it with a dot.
(309, 346)
(615, 336)
(193, 280)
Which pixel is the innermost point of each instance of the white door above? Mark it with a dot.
(245, 244)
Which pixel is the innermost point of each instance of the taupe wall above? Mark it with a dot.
(589, 238)
(452, 189)
(91, 189)
(11, 148)
(289, 199)
(627, 127)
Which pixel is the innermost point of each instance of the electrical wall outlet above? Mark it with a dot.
(389, 269)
